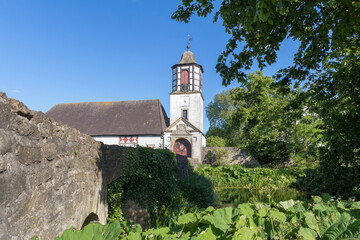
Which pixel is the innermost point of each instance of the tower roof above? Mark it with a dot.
(187, 57)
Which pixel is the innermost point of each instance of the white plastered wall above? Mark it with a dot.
(192, 102)
(196, 139)
(150, 141)
(108, 140)
(145, 141)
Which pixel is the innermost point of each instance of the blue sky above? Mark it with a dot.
(61, 51)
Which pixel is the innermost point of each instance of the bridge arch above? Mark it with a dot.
(91, 218)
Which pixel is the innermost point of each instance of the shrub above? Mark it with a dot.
(238, 175)
(150, 180)
(342, 182)
(318, 218)
(198, 190)
(215, 141)
(267, 151)
(221, 155)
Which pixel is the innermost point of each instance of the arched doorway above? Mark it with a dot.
(182, 147)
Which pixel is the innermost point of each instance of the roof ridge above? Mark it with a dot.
(134, 117)
(143, 100)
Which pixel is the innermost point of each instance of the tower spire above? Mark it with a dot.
(188, 42)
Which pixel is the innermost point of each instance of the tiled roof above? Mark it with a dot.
(187, 57)
(143, 117)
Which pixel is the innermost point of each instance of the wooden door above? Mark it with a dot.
(182, 147)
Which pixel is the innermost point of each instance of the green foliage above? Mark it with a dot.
(314, 219)
(344, 184)
(238, 184)
(318, 218)
(326, 35)
(240, 176)
(215, 141)
(267, 127)
(198, 190)
(221, 155)
(217, 112)
(326, 63)
(264, 123)
(233, 196)
(93, 231)
(115, 201)
(150, 180)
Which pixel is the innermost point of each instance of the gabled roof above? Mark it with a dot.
(181, 119)
(143, 117)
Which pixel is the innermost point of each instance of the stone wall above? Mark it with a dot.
(234, 156)
(51, 176)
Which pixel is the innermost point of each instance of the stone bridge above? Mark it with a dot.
(52, 177)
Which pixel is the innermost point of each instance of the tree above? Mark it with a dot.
(215, 141)
(217, 112)
(326, 30)
(268, 128)
(261, 121)
(218, 109)
(327, 62)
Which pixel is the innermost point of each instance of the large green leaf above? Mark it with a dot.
(286, 204)
(221, 218)
(241, 222)
(158, 231)
(311, 221)
(323, 207)
(207, 235)
(307, 233)
(93, 231)
(281, 217)
(246, 209)
(245, 233)
(210, 209)
(262, 212)
(343, 230)
(134, 236)
(299, 207)
(187, 218)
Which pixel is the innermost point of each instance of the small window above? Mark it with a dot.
(185, 114)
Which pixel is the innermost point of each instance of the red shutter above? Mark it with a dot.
(184, 77)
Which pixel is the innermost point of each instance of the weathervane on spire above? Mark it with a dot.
(188, 42)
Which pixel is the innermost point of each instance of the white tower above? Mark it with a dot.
(186, 99)
(185, 135)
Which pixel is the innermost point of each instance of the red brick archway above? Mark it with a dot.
(182, 147)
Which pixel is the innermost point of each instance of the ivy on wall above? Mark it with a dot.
(149, 179)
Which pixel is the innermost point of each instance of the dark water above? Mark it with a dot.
(235, 196)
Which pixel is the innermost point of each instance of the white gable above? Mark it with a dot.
(181, 125)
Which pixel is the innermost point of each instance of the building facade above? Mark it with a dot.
(126, 123)
(185, 135)
(145, 122)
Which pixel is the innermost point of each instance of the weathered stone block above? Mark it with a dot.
(47, 181)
